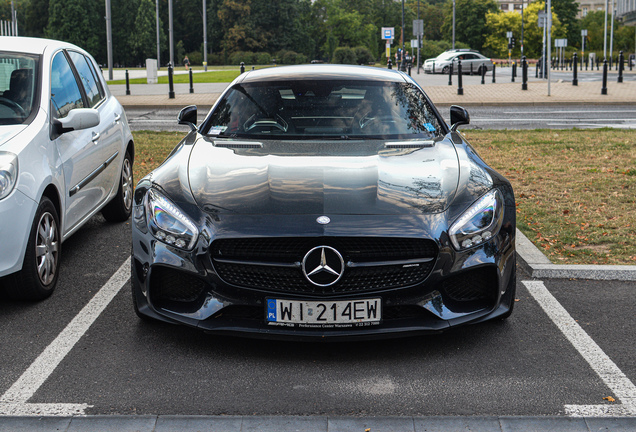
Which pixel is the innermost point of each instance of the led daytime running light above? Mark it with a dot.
(168, 223)
(466, 231)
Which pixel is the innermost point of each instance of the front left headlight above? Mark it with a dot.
(8, 173)
(479, 223)
(168, 223)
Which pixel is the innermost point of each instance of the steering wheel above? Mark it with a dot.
(13, 105)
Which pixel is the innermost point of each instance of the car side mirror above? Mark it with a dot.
(458, 116)
(78, 119)
(188, 116)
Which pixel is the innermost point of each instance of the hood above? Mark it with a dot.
(9, 131)
(332, 177)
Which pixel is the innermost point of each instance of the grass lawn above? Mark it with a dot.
(575, 189)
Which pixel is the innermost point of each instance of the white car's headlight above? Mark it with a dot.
(167, 222)
(8, 173)
(479, 223)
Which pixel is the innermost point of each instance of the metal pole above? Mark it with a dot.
(419, 39)
(205, 37)
(158, 38)
(549, 41)
(575, 80)
(109, 40)
(403, 45)
(171, 33)
(612, 33)
(605, 32)
(522, 27)
(453, 24)
(604, 88)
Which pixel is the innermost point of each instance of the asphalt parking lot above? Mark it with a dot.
(566, 351)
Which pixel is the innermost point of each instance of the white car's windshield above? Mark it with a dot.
(18, 84)
(324, 109)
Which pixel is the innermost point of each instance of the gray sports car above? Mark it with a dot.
(323, 201)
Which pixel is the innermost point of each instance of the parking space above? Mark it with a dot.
(121, 365)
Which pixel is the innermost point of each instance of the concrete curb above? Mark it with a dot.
(153, 423)
(539, 266)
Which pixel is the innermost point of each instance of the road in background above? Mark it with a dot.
(481, 117)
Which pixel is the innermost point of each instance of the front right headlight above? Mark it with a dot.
(479, 223)
(168, 223)
(8, 173)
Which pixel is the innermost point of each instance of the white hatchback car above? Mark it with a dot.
(66, 153)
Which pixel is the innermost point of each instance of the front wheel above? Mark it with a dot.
(445, 70)
(41, 265)
(120, 208)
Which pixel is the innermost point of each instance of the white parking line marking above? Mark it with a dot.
(31, 380)
(623, 389)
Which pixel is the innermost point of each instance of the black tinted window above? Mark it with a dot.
(324, 109)
(65, 94)
(87, 76)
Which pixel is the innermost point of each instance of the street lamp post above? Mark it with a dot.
(205, 37)
(158, 37)
(170, 31)
(109, 41)
(453, 24)
(605, 32)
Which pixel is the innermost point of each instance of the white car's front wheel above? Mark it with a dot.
(40, 268)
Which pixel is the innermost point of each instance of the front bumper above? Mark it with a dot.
(16, 217)
(184, 287)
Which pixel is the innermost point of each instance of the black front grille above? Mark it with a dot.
(249, 258)
(480, 284)
(174, 286)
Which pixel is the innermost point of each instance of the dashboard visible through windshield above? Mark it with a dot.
(324, 109)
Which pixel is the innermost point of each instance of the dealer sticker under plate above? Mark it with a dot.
(324, 314)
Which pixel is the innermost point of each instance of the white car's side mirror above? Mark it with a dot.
(79, 118)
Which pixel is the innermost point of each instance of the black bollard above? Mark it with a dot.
(242, 67)
(536, 73)
(450, 74)
(191, 86)
(484, 68)
(597, 64)
(471, 68)
(433, 67)
(575, 80)
(170, 81)
(460, 89)
(127, 84)
(494, 66)
(620, 67)
(604, 88)
(389, 64)
(514, 71)
(524, 73)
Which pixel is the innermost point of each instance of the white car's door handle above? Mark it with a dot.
(95, 137)
(117, 118)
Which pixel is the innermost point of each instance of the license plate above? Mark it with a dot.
(324, 314)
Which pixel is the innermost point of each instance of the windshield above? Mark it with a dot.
(324, 109)
(446, 55)
(18, 84)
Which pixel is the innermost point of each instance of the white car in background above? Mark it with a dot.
(468, 57)
(66, 153)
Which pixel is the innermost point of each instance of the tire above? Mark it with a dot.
(445, 70)
(120, 207)
(40, 269)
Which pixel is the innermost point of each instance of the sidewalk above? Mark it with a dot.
(503, 92)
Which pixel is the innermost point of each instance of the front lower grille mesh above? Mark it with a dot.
(175, 286)
(245, 254)
(480, 284)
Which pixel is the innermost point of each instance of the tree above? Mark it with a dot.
(566, 11)
(470, 21)
(75, 21)
(500, 23)
(143, 41)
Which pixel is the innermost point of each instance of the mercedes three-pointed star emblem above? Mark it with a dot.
(323, 266)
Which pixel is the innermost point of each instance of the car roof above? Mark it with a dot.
(323, 72)
(31, 45)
